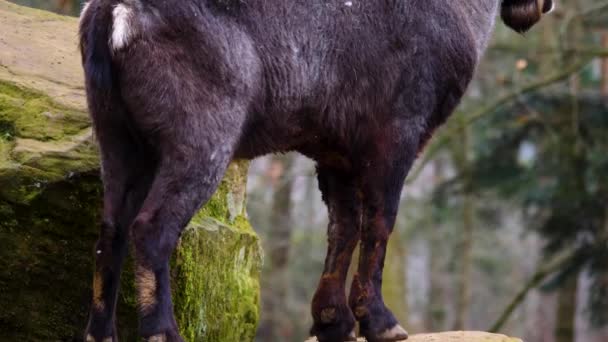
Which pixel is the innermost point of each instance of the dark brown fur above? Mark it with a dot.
(358, 86)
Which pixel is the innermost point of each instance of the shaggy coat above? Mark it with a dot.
(177, 89)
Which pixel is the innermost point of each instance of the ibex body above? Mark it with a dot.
(177, 89)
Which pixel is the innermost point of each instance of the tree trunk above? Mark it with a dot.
(463, 300)
(464, 279)
(566, 310)
(275, 326)
(436, 312)
(65, 6)
(394, 285)
(604, 68)
(574, 181)
(436, 309)
(50, 203)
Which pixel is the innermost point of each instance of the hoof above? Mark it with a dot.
(334, 323)
(90, 338)
(352, 337)
(168, 337)
(396, 333)
(376, 322)
(157, 338)
(336, 332)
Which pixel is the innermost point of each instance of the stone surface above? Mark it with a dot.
(50, 204)
(455, 336)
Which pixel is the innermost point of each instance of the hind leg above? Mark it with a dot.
(125, 185)
(382, 183)
(187, 175)
(333, 319)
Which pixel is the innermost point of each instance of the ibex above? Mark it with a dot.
(177, 89)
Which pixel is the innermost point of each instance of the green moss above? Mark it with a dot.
(46, 267)
(5, 147)
(22, 182)
(228, 207)
(219, 257)
(7, 130)
(216, 261)
(41, 142)
(45, 262)
(28, 114)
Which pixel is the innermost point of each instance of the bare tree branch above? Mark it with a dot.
(448, 134)
(536, 279)
(586, 51)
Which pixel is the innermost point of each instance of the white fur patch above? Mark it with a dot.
(122, 29)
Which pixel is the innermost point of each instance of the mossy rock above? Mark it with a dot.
(50, 201)
(216, 268)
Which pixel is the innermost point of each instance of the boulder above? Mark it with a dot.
(455, 336)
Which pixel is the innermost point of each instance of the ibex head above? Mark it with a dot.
(521, 15)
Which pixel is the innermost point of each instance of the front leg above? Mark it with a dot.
(383, 181)
(333, 319)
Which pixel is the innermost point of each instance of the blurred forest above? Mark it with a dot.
(504, 219)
